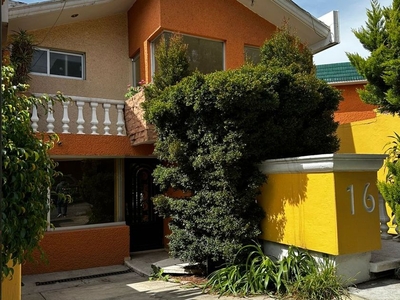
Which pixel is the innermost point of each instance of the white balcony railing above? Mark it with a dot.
(80, 115)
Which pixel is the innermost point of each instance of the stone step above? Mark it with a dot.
(177, 267)
(385, 265)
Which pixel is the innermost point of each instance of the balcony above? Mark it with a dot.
(80, 115)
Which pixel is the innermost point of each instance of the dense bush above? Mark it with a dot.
(214, 129)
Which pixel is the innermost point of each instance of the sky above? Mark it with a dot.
(352, 15)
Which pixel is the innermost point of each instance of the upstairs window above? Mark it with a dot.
(252, 55)
(56, 63)
(204, 55)
(136, 70)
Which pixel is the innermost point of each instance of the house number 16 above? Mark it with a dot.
(365, 198)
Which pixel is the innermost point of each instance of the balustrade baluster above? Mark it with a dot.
(94, 120)
(65, 119)
(107, 121)
(383, 218)
(50, 117)
(34, 119)
(80, 119)
(120, 119)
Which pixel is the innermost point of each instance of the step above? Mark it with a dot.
(385, 265)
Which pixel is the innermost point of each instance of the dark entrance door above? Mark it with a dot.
(146, 228)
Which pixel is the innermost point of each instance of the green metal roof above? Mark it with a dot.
(338, 72)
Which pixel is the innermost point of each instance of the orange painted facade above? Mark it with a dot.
(224, 20)
(80, 249)
(352, 109)
(98, 146)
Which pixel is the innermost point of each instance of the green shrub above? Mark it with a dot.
(22, 50)
(213, 131)
(297, 275)
(390, 188)
(28, 173)
(321, 284)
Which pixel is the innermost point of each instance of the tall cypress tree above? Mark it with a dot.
(381, 37)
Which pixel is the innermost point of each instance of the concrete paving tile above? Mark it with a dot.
(380, 289)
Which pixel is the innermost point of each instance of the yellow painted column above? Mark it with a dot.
(324, 203)
(11, 286)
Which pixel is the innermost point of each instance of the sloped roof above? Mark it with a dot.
(317, 33)
(339, 73)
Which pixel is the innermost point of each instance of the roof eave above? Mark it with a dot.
(350, 82)
(49, 6)
(317, 33)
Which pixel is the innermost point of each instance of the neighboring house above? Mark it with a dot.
(362, 129)
(91, 51)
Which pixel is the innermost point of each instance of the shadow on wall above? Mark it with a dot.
(345, 134)
(277, 196)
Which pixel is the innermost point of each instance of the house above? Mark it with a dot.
(91, 51)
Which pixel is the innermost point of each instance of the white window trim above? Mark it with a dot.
(152, 49)
(48, 51)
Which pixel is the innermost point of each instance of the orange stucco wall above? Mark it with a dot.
(98, 146)
(207, 18)
(352, 101)
(80, 249)
(352, 109)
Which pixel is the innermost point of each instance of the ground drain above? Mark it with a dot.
(83, 277)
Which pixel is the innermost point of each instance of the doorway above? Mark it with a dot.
(146, 227)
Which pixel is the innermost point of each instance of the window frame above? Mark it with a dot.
(48, 55)
(152, 49)
(135, 65)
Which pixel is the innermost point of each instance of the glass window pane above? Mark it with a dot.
(39, 62)
(136, 70)
(204, 55)
(58, 64)
(74, 66)
(252, 54)
(90, 183)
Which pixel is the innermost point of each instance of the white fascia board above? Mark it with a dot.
(331, 19)
(324, 31)
(319, 27)
(49, 6)
(338, 83)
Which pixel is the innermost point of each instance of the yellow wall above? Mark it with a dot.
(369, 136)
(11, 287)
(313, 211)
